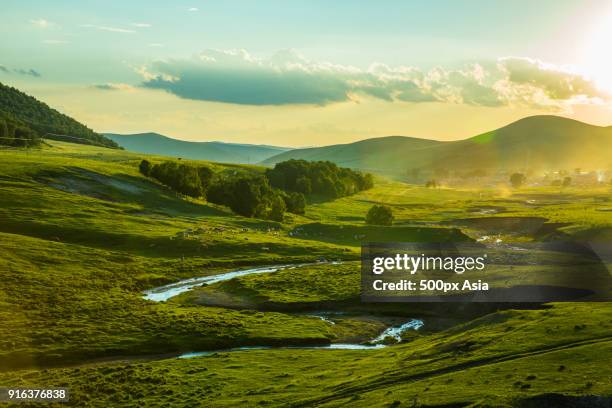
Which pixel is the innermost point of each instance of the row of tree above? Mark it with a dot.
(14, 133)
(321, 178)
(247, 194)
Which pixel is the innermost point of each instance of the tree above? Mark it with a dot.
(245, 197)
(183, 178)
(295, 202)
(188, 181)
(431, 183)
(27, 112)
(145, 167)
(303, 185)
(206, 175)
(567, 181)
(517, 179)
(4, 133)
(277, 208)
(380, 215)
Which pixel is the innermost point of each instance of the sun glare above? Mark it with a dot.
(597, 58)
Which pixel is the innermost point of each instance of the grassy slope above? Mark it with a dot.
(79, 258)
(494, 360)
(78, 243)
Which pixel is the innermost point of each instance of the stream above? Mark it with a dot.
(376, 343)
(163, 293)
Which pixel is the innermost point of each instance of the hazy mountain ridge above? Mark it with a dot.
(154, 143)
(536, 142)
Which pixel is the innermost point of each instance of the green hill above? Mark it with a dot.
(537, 142)
(154, 143)
(378, 154)
(46, 121)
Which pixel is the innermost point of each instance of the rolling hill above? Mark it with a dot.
(46, 121)
(536, 142)
(154, 143)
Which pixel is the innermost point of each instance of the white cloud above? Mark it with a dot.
(42, 23)
(54, 42)
(141, 25)
(111, 86)
(235, 76)
(156, 45)
(107, 28)
(193, 9)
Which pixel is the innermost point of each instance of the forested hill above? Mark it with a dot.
(46, 121)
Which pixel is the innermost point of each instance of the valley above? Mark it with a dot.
(86, 238)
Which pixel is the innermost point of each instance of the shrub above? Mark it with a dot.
(379, 215)
(145, 167)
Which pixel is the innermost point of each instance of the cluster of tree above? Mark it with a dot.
(566, 182)
(517, 179)
(432, 184)
(15, 133)
(321, 178)
(47, 122)
(380, 215)
(182, 178)
(249, 195)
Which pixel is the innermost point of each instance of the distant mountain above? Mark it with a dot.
(46, 121)
(536, 142)
(154, 143)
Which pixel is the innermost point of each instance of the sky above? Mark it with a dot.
(310, 72)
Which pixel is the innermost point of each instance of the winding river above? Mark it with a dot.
(163, 293)
(376, 343)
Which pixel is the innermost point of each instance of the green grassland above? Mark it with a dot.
(82, 234)
(500, 359)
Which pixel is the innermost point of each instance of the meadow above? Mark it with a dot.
(83, 234)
